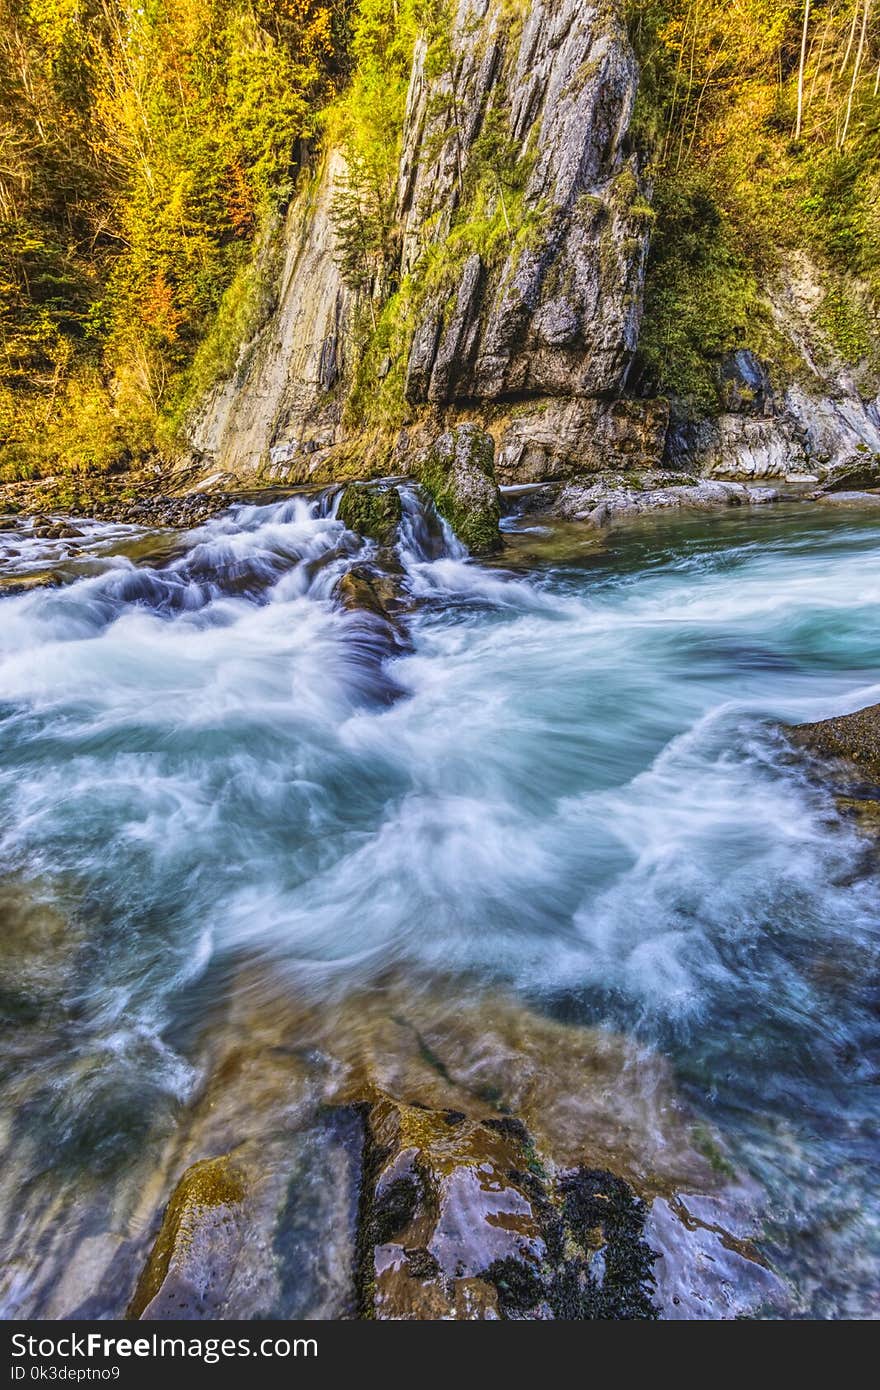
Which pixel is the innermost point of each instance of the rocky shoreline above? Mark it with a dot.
(474, 509)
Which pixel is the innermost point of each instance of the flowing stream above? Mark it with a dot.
(568, 788)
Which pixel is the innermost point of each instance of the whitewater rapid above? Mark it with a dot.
(572, 784)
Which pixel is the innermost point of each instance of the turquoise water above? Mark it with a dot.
(572, 787)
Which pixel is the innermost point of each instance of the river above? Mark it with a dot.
(567, 792)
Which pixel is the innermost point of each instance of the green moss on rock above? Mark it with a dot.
(459, 473)
(371, 511)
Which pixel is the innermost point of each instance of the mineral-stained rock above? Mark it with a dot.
(445, 1204)
(267, 1231)
(707, 1267)
(197, 1248)
(458, 471)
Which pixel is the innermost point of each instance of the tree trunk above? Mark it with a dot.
(800, 82)
(855, 77)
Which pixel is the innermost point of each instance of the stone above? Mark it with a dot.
(706, 1267)
(614, 498)
(373, 512)
(197, 1247)
(745, 384)
(445, 1205)
(557, 438)
(558, 314)
(465, 1220)
(458, 471)
(265, 1231)
(850, 739)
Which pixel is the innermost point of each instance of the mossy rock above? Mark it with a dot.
(458, 470)
(371, 512)
(463, 1219)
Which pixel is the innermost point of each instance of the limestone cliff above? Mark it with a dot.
(512, 338)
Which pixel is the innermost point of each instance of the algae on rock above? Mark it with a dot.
(458, 471)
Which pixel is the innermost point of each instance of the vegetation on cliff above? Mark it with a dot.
(762, 123)
(145, 146)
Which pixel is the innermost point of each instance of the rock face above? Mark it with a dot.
(278, 404)
(822, 423)
(553, 316)
(560, 314)
(528, 333)
(834, 440)
(559, 438)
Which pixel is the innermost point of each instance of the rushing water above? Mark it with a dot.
(570, 788)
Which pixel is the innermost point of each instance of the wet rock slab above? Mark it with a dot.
(266, 1231)
(608, 500)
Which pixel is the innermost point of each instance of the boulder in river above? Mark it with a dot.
(851, 739)
(196, 1249)
(850, 746)
(466, 1221)
(265, 1231)
(373, 512)
(458, 470)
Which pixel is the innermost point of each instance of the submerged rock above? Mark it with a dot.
(415, 1150)
(705, 1266)
(266, 1231)
(458, 471)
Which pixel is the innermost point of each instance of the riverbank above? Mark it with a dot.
(595, 500)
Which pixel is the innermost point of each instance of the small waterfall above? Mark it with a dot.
(424, 534)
